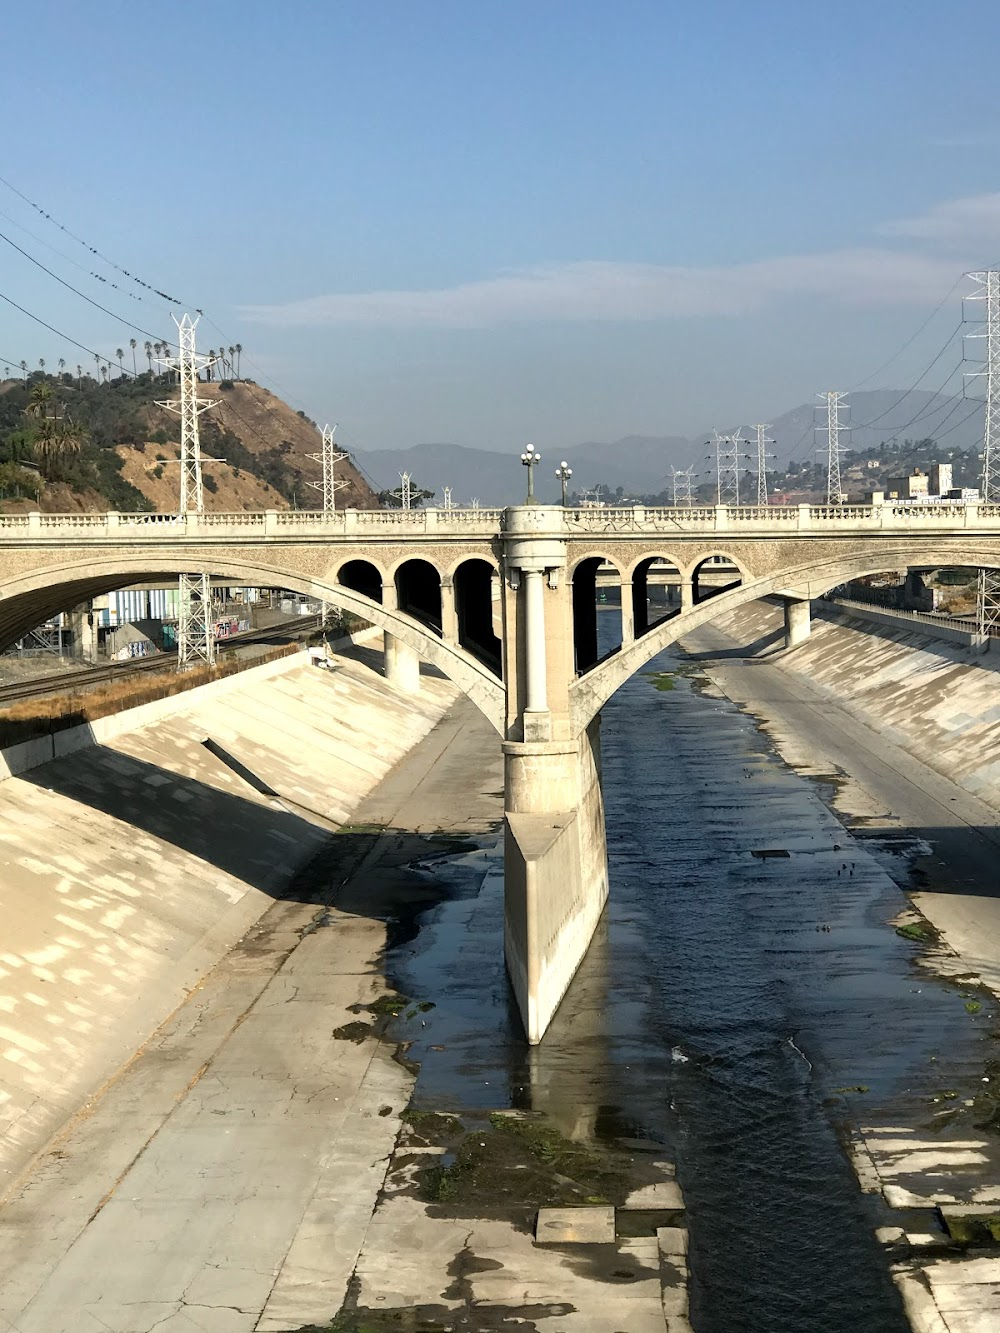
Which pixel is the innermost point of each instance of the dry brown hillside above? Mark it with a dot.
(276, 435)
(154, 470)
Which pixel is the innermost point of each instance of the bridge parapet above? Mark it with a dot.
(562, 524)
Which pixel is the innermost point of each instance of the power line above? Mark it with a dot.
(58, 332)
(926, 370)
(87, 246)
(146, 333)
(909, 342)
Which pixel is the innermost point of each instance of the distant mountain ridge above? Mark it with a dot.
(641, 464)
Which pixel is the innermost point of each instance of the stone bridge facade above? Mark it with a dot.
(503, 603)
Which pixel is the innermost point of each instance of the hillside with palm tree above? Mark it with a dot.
(102, 440)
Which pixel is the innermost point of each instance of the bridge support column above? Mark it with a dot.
(555, 868)
(628, 611)
(83, 627)
(449, 611)
(687, 594)
(402, 665)
(797, 621)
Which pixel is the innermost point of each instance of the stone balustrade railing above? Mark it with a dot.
(743, 521)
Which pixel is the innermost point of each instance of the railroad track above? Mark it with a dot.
(63, 681)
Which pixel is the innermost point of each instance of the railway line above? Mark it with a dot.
(63, 681)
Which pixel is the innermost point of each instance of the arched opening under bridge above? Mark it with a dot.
(363, 577)
(597, 592)
(656, 593)
(475, 581)
(714, 575)
(418, 592)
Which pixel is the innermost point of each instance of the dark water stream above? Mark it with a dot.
(725, 1001)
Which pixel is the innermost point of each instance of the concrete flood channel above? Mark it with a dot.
(761, 1021)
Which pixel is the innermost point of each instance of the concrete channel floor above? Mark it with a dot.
(224, 1182)
(886, 790)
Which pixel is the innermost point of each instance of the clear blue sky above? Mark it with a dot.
(498, 221)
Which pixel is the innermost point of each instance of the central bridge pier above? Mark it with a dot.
(555, 853)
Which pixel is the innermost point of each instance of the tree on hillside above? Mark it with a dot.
(133, 344)
(394, 499)
(239, 353)
(40, 401)
(149, 356)
(41, 364)
(24, 367)
(62, 366)
(120, 356)
(97, 363)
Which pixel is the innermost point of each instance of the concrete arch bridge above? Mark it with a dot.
(504, 604)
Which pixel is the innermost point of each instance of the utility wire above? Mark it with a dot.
(146, 333)
(87, 246)
(909, 342)
(926, 370)
(58, 332)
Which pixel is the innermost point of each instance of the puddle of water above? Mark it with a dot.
(739, 1013)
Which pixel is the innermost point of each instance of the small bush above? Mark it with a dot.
(158, 471)
(209, 483)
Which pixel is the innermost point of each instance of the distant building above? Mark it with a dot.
(940, 478)
(913, 487)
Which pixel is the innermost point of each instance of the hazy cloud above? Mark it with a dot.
(609, 290)
(970, 221)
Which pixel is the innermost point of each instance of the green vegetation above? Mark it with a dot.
(972, 1006)
(662, 680)
(914, 930)
(64, 429)
(852, 1087)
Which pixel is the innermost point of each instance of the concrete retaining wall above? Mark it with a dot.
(556, 885)
(129, 867)
(928, 696)
(895, 620)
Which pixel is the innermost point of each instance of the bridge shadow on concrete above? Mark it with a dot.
(774, 640)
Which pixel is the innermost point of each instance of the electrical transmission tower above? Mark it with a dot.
(833, 427)
(988, 592)
(195, 639)
(681, 481)
(405, 490)
(762, 456)
(329, 459)
(727, 468)
(447, 503)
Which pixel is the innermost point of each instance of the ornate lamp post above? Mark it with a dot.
(530, 458)
(564, 472)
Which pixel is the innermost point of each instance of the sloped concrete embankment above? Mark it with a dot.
(929, 697)
(130, 867)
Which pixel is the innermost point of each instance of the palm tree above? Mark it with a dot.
(209, 372)
(41, 364)
(133, 344)
(97, 361)
(62, 367)
(24, 367)
(104, 372)
(40, 401)
(239, 353)
(6, 372)
(232, 353)
(119, 357)
(79, 377)
(148, 346)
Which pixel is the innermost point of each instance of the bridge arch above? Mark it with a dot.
(473, 580)
(638, 574)
(810, 579)
(362, 576)
(700, 592)
(583, 583)
(418, 591)
(28, 600)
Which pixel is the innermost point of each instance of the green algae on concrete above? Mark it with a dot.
(514, 1164)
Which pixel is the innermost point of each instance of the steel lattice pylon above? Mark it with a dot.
(833, 427)
(762, 456)
(195, 639)
(329, 457)
(681, 480)
(988, 589)
(727, 468)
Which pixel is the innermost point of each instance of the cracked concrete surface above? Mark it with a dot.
(226, 1179)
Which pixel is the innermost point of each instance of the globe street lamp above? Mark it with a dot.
(530, 458)
(564, 472)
